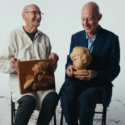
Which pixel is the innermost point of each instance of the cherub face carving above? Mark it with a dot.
(81, 58)
(41, 76)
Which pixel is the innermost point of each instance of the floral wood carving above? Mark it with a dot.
(40, 78)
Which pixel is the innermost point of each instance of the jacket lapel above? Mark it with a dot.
(83, 40)
(100, 40)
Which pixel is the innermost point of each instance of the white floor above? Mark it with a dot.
(115, 113)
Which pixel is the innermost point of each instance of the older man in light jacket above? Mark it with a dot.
(28, 43)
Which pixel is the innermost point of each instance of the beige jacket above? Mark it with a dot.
(20, 46)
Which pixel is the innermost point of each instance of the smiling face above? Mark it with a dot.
(32, 16)
(90, 17)
(89, 22)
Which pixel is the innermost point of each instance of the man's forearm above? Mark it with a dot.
(107, 75)
(5, 67)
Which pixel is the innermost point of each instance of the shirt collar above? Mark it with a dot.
(94, 37)
(38, 32)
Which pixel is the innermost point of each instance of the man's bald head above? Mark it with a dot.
(28, 7)
(92, 7)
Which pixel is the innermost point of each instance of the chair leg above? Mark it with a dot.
(14, 110)
(11, 112)
(105, 110)
(104, 115)
(61, 122)
(55, 118)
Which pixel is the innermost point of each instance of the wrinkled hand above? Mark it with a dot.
(69, 71)
(91, 75)
(54, 57)
(13, 63)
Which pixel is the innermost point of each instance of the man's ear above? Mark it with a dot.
(99, 17)
(23, 16)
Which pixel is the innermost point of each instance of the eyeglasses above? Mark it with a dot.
(35, 12)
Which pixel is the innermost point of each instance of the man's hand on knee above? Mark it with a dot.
(91, 75)
(69, 71)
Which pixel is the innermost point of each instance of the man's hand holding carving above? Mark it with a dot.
(91, 75)
(54, 57)
(13, 63)
(69, 71)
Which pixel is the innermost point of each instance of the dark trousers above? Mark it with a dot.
(27, 105)
(79, 101)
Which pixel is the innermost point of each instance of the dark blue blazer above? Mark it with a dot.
(105, 60)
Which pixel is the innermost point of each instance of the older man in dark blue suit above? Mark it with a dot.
(80, 94)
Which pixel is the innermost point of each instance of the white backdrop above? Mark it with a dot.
(61, 19)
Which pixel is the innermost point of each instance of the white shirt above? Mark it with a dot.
(20, 46)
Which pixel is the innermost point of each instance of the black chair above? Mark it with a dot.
(13, 110)
(103, 112)
(103, 116)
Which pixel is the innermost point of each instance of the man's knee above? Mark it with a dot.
(86, 99)
(68, 100)
(51, 98)
(27, 102)
(71, 93)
